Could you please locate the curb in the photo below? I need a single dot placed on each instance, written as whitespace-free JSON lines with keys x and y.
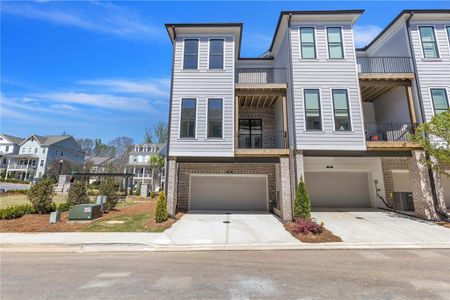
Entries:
{"x":127,"y":247}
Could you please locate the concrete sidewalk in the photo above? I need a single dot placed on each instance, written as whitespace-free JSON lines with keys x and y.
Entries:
{"x":112,"y":242}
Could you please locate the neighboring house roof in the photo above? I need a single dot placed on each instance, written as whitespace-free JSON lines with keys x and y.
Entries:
{"x":49,"y":140}
{"x":13,"y":139}
{"x":99,"y":160}
{"x":399,"y":16}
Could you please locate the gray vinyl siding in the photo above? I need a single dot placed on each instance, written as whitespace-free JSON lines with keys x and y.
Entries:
{"x":431,"y":73}
{"x":325,"y":74}
{"x":203,"y":84}
{"x":395,"y":45}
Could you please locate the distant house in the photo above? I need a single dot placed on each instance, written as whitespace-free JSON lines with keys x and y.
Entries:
{"x":9,"y":144}
{"x":38,"y":155}
{"x":98,"y":164}
{"x":139,"y":165}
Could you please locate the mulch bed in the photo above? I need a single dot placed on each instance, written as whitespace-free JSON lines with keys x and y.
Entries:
{"x":40,"y":223}
{"x":325,"y":237}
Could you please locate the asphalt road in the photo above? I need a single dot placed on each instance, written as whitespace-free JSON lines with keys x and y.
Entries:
{"x":358,"y":274}
{"x":13,"y":186}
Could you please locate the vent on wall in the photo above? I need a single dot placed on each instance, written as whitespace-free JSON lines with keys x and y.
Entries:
{"x":403,"y":201}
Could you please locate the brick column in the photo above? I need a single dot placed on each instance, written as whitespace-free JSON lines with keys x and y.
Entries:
{"x":299,"y":167}
{"x":442,"y":207}
{"x":285,"y":176}
{"x":171,"y":184}
{"x":420,"y":180}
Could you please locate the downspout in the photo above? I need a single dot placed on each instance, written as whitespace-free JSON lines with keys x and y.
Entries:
{"x":292,"y":115}
{"x":422,"y":114}
{"x":170,"y":116}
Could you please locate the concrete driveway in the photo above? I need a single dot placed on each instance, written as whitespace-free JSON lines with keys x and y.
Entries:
{"x":220,"y":228}
{"x":371,"y":225}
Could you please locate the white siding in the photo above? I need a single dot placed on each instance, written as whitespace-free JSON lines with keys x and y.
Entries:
{"x":395,"y":44}
{"x":431,"y":73}
{"x":392,"y":107}
{"x":327,"y":74}
{"x":203,"y":84}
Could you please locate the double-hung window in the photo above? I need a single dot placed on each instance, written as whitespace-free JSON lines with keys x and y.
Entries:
{"x":440,"y":100}
{"x":429,"y":44}
{"x":307,"y":43}
{"x":312,"y":109}
{"x":341,"y":110}
{"x":188,"y":118}
{"x":215,"y":118}
{"x":190,"y":59}
{"x":335,"y":48}
{"x":216,"y":54}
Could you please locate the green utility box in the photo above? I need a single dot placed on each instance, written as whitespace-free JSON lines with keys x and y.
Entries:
{"x":85,"y":212}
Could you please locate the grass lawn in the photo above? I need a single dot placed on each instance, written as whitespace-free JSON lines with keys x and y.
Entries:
{"x":125,"y":223}
{"x":13,"y":199}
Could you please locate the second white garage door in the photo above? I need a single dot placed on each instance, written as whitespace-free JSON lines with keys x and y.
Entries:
{"x":338,"y":189}
{"x":228,"y":192}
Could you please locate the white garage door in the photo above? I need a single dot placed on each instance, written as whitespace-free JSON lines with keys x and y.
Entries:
{"x":446,"y":185}
{"x":338,"y":189}
{"x":228,"y":192}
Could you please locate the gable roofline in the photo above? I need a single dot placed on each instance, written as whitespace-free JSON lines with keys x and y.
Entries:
{"x":12,"y":139}
{"x":47,"y":140}
{"x":308,"y":12}
{"x":398,"y":17}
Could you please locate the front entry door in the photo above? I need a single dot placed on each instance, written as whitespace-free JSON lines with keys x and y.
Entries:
{"x":250,"y":133}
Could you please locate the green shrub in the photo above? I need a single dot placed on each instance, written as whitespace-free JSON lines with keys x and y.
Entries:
{"x":16,"y":191}
{"x":107,"y":188}
{"x":16,"y":211}
{"x":138,"y":190}
{"x":13,"y":180}
{"x":63,"y":207}
{"x":152,"y":194}
{"x":302,"y":204}
{"x":77,"y":193}
{"x":161,"y":214}
{"x":92,"y":192}
{"x":40,"y":195}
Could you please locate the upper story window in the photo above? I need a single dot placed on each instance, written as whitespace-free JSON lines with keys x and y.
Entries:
{"x":448,"y":34}
{"x":440,"y":100}
{"x":341,"y":110}
{"x":214,"y":118}
{"x":335,"y":45}
{"x":42,"y":163}
{"x":35,"y":150}
{"x":312,"y":109}
{"x":190,"y":60}
{"x":307,"y":43}
{"x":43,"y":150}
{"x":7,"y":148}
{"x":429,"y":44}
{"x":188,"y":116}
{"x":216,"y":54}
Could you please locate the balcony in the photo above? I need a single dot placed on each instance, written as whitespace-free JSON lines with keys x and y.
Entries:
{"x":260,"y":75}
{"x":389,"y":135}
{"x":385,"y":64}
{"x":266,"y":139}
{"x":19,"y":167}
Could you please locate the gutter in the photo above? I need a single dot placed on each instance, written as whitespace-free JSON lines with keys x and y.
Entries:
{"x":422,"y":113}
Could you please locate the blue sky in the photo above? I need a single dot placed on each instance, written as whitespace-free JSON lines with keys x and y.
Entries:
{"x":102,"y":69}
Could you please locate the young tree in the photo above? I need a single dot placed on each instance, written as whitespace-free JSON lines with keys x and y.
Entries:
{"x":161,"y":132}
{"x":302,"y":204}
{"x":107,"y":188}
{"x":41,"y":196}
{"x":148,"y":138}
{"x":77,"y":193}
{"x":161,"y":213}
{"x":434,"y":138}
{"x":156,"y":162}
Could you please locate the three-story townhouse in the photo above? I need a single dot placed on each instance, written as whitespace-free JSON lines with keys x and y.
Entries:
{"x":245,"y":131}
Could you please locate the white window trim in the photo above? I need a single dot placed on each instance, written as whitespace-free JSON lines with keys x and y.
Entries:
{"x":223,"y":54}
{"x":431,"y":97}
{"x":344,"y":56}
{"x":352,"y":129}
{"x":196,"y":119}
{"x":436,"y":41}
{"x":316,"y":52}
{"x":447,"y":31}
{"x":320,"y":109}
{"x":198,"y":55}
{"x":207,"y":120}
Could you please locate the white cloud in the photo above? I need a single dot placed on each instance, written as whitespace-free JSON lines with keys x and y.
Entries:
{"x":64,"y":107}
{"x":365,"y":34}
{"x":150,"y":87}
{"x":98,"y":17}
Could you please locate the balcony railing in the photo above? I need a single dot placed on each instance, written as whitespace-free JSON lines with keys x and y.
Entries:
{"x":388,"y":131}
{"x":21,"y":167}
{"x":263,"y":140}
{"x":260,"y":75}
{"x":384,"y":64}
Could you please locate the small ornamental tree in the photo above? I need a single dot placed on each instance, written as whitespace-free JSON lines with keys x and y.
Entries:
{"x":161,"y":214}
{"x":434,"y":138}
{"x":302,"y":204}
{"x":41,"y":196}
{"x":107,"y":188}
{"x":77,"y":194}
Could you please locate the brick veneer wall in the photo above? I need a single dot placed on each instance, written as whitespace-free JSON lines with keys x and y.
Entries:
{"x":185,"y":169}
{"x":267,"y":115}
